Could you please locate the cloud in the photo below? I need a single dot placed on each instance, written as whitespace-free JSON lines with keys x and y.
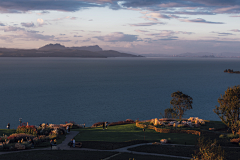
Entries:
{"x":231,"y":9}
{"x":147,"y":24}
{"x":11,"y":28}
{"x":43,"y":12}
{"x":158,"y":15}
{"x":76,"y":36}
{"x":141,"y":31}
{"x":117,"y":37}
{"x":218,"y":6}
{"x":79,"y":30}
{"x":40,"y":21}
{"x":26,"y":35}
{"x":168,"y":34}
{"x":1,"y":24}
{"x":19,"y":6}
{"x":223,"y":33}
{"x":96,"y":31}
{"x":67,"y":17}
{"x":200,"y":20}
{"x":73,"y":18}
{"x":28,"y":24}
{"x":86,"y":40}
{"x":190,"y":12}
{"x":169,"y":38}
{"x":235,"y":16}
{"x":235,"y":30}
{"x":165,"y":33}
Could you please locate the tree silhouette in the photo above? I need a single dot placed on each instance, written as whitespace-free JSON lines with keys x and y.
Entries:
{"x":229,"y":108}
{"x":181,"y":102}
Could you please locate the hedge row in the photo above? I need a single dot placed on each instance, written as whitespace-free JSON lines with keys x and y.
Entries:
{"x":160,"y":130}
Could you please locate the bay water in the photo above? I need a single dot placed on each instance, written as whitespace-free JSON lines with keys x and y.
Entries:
{"x":89,"y":90}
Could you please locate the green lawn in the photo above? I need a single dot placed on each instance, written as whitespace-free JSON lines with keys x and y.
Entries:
{"x":7,"y":131}
{"x":129,"y":132}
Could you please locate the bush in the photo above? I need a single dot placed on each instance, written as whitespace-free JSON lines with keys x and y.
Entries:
{"x":44,"y":131}
{"x":6,"y":146}
{"x":27,"y":129}
{"x":208,"y":150}
{"x":235,"y":140}
{"x":42,"y":138}
{"x":222,"y":136}
{"x":16,"y":137}
{"x":27,"y":145}
{"x":181,"y":126}
{"x":232,"y":136}
{"x":97,"y":124}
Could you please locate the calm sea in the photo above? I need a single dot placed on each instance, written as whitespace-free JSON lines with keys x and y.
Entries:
{"x":56,"y":90}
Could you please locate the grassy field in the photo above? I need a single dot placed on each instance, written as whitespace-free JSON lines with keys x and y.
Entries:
{"x":129,"y":132}
{"x":125,"y":135}
{"x":76,"y":155}
{"x":7,"y":131}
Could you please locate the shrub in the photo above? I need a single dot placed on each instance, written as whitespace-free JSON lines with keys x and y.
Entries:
{"x":27,"y":129}
{"x":129,"y":120}
{"x":16,"y":137}
{"x":222,"y":136}
{"x":27,"y":145}
{"x":6,"y":146}
{"x":97,"y":124}
{"x":44,"y":131}
{"x":36,"y":140}
{"x":53,"y":136}
{"x":42,"y":138}
{"x":208,"y":150}
{"x":181,"y":126}
{"x":232,"y":136}
{"x":235,"y":140}
{"x":61,"y":131}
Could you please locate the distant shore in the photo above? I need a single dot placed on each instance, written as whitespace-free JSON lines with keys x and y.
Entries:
{"x":231,"y":71}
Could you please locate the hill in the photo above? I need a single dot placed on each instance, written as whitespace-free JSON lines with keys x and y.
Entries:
{"x":58,"y":50}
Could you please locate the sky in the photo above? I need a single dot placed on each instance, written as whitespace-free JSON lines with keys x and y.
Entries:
{"x":131,"y":26}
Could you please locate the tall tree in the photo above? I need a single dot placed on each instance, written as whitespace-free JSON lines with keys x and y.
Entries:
{"x":169,"y":113}
{"x":229,"y":108}
{"x":181,"y":102}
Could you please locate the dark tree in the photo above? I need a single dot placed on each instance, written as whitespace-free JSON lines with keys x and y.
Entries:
{"x":229,"y":108}
{"x":169,"y":113}
{"x":181,"y":102}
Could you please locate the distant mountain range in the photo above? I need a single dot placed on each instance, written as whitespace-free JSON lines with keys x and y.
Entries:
{"x":210,"y":55}
{"x":199,"y":54}
{"x":58,"y":50}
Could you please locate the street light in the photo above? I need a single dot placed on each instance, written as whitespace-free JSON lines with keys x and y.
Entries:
{"x":20,"y":120}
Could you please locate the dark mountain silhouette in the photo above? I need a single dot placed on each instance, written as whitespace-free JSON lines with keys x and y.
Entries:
{"x":58,"y":50}
{"x":58,"y":46}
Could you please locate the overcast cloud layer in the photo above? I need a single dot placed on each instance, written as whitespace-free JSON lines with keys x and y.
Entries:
{"x":140,"y":26}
